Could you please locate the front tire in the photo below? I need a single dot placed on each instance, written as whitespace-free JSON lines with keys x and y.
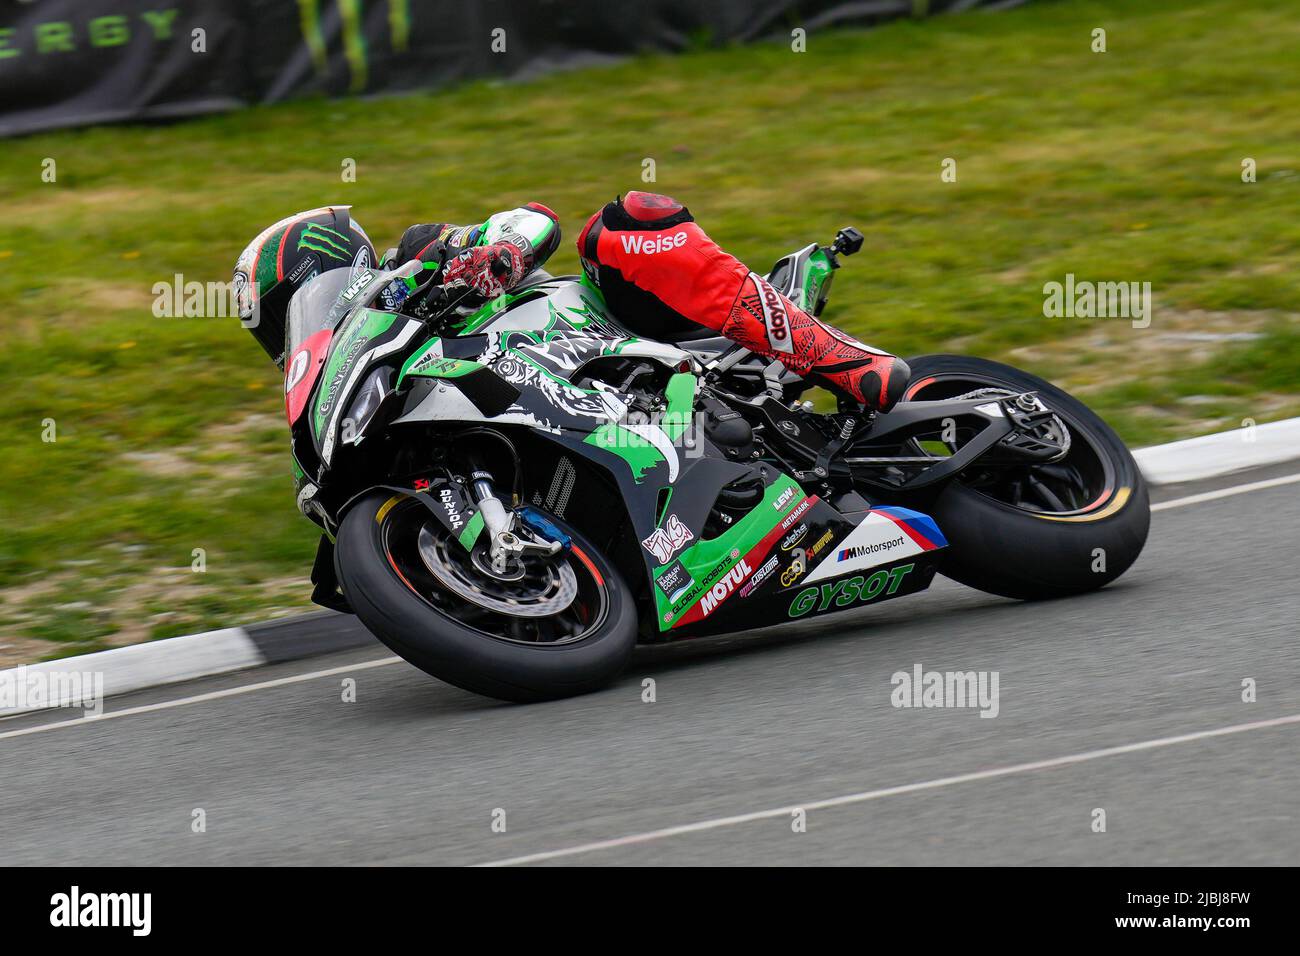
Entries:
{"x":481,"y":649}
{"x":1064,"y":529}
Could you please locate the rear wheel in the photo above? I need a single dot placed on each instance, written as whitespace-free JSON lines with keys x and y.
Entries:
{"x":551,"y":626}
{"x":1036,"y":530}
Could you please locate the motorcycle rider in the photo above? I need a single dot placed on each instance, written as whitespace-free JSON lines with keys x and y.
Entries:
{"x":662,"y":276}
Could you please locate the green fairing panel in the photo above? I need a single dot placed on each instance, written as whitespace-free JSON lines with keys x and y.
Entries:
{"x":816,"y":282}
{"x":641,"y":453}
{"x":489,"y":311}
{"x":428,"y":362}
{"x":641,"y":456}
{"x":580,"y":317}
{"x":427,"y":352}
{"x":569,"y":307}
{"x":444,"y":368}
{"x":707,"y":561}
{"x":348,"y":344}
{"x":680,"y":393}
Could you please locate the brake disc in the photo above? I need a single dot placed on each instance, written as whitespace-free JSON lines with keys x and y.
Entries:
{"x":540,"y":586}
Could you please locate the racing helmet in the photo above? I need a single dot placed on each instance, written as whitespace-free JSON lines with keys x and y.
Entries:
{"x":285,"y":257}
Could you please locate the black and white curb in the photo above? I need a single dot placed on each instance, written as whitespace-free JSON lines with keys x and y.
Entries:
{"x":1211,"y":456}
{"x":177,"y":659}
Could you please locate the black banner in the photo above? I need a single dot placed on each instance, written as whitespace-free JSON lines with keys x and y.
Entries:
{"x":1228,"y":909}
{"x":79,"y":62}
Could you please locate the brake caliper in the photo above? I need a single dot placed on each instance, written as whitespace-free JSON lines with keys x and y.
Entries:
{"x":1039,"y":433}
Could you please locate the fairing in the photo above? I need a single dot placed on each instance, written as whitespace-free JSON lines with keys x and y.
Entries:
{"x":516,"y":361}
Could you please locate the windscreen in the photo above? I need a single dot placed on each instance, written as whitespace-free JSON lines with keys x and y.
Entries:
{"x":325,"y":300}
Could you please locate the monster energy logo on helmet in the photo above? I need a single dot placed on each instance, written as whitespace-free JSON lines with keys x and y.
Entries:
{"x":273,"y":267}
{"x":323,"y":239}
{"x":352,"y":20}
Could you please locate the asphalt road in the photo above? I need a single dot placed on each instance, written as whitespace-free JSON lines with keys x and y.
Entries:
{"x":413,"y":770}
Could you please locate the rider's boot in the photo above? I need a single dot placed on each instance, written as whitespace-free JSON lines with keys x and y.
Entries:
{"x":646,"y":249}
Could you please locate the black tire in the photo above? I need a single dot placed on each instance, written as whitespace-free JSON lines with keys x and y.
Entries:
{"x":1030,"y":554}
{"x":458,"y":654}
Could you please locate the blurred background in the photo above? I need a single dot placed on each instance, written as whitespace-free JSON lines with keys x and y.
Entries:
{"x":132,"y":156}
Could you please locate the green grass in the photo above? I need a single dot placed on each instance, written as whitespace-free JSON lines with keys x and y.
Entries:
{"x":1118,"y":166}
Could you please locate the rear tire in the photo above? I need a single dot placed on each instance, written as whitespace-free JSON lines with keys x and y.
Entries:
{"x":438,"y":644}
{"x":1022,"y":553}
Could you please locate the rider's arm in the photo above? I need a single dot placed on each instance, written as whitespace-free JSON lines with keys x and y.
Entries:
{"x":533,"y":229}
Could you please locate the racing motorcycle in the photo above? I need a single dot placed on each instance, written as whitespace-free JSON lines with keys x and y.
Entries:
{"x":514,"y":493}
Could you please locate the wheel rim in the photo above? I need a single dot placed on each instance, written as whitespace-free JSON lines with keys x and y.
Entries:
{"x":1080,"y":485}
{"x":548,"y":600}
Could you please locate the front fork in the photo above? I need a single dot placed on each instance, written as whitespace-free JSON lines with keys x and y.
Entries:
{"x":505,"y":547}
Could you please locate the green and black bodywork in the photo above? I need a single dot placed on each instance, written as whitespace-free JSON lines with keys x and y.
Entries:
{"x":690,"y":470}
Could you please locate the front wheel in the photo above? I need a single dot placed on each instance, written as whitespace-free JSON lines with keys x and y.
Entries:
{"x":1036,"y":530}
{"x":553,"y":627}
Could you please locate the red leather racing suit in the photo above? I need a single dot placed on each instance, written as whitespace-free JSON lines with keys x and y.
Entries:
{"x":663,"y":277}
{"x":652,"y":261}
